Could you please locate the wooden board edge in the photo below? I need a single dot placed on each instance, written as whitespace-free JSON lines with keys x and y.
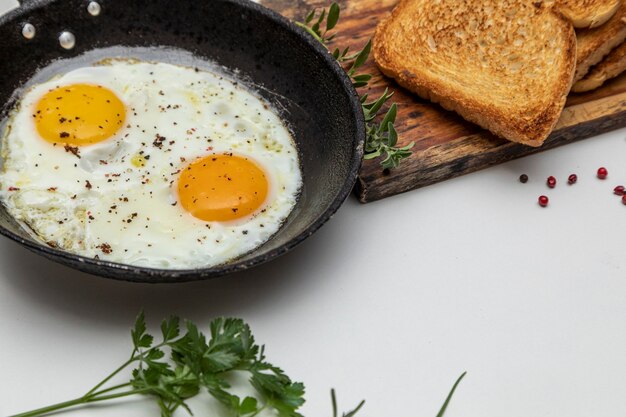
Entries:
{"x":434,"y":168}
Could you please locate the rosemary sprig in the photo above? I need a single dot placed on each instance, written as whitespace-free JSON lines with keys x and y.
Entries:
{"x":196,"y":364}
{"x":314,"y":26}
{"x":382,"y":138}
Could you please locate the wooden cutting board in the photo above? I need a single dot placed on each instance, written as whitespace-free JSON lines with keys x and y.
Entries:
{"x":446,"y":146}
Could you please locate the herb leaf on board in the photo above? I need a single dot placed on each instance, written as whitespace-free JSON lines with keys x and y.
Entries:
{"x":381,"y":139}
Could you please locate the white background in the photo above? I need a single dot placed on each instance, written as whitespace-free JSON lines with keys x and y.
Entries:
{"x":389,"y":302}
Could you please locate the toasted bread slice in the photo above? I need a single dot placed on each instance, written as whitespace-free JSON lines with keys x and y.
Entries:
{"x":506,"y":65}
{"x":588,"y":13}
{"x":612,"y":66}
{"x":595,"y":44}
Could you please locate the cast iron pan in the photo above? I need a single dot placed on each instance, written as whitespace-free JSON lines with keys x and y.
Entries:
{"x":293,"y":70}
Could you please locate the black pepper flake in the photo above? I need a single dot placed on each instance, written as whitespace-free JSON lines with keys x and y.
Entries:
{"x":88,"y":185}
{"x":64,"y":135}
{"x":158,"y":141}
{"x":73,"y":150}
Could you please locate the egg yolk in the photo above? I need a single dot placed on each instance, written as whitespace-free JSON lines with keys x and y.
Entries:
{"x":222,"y":188}
{"x":79,"y":114}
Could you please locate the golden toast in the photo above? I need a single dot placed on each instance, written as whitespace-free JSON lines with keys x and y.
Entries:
{"x":588,"y":13}
{"x":506,"y":65}
{"x":613,"y":65}
{"x":595,"y":44}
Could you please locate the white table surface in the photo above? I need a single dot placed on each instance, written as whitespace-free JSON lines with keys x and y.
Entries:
{"x":389,"y":302}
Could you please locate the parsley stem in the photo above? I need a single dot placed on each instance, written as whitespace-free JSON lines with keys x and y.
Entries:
{"x":134,"y":357}
{"x":120,"y":386}
{"x":86,"y":399}
{"x":51,"y":408}
{"x":257,"y":412}
{"x":108,"y":378}
{"x":100,"y":397}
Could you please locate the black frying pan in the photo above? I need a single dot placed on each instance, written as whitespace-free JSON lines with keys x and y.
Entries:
{"x":293,"y":70}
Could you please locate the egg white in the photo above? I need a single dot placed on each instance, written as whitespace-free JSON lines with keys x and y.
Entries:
{"x":100,"y":204}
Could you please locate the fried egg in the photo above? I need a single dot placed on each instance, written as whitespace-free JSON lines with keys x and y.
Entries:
{"x":148,"y":164}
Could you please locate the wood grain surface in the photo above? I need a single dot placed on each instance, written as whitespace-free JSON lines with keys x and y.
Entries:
{"x":446,"y":146}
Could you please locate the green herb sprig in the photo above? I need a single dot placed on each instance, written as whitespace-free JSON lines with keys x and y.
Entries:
{"x":314,"y":26}
{"x":381,"y":138}
{"x":196,"y":364}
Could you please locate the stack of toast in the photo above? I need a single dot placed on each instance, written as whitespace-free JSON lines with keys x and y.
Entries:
{"x":506,"y":65}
